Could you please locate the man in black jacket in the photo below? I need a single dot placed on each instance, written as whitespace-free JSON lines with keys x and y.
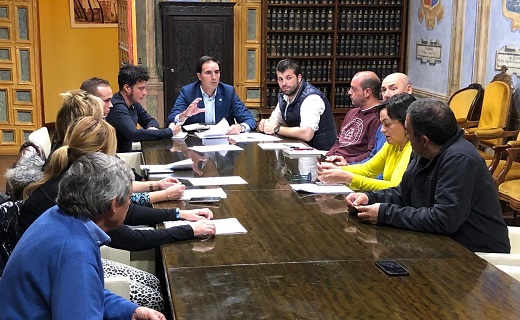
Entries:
{"x":127,"y":111}
{"x":447,"y":188}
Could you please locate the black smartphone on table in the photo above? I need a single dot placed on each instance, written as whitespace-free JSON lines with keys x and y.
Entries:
{"x":392,"y":268}
{"x":204,"y":199}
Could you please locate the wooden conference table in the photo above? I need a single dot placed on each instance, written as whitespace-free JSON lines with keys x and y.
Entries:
{"x":307,"y":258}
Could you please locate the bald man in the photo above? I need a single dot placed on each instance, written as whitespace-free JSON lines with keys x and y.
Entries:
{"x":357,"y":134}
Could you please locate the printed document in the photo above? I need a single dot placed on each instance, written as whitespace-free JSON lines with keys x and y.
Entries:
{"x":222,"y":226}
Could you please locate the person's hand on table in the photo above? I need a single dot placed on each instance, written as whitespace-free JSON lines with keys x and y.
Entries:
{"x":356,"y":199}
{"x":322,"y":166}
{"x":337,"y":160}
{"x":234,"y":129}
{"x":203,"y":228}
{"x":196,"y":214}
{"x":175,"y":191}
{"x":165,"y":183}
{"x":335,"y":175}
{"x":268,"y":126}
{"x":143,"y":313}
{"x":176,"y":128}
{"x":368,"y":213}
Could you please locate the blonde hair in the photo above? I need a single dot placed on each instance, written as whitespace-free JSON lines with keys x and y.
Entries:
{"x":76,"y":104}
{"x":84,"y":136}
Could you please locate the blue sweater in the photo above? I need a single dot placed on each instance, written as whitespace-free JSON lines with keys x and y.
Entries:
{"x":55,"y":272}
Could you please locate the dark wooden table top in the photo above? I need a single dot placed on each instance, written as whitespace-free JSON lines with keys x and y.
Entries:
{"x":306,"y":257}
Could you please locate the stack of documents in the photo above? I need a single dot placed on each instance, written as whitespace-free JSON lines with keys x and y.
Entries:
{"x":196,"y":193}
{"x":222,"y":226}
{"x":295,"y":152}
{"x":216,"y":181}
{"x":253,"y":137}
{"x":197,"y":126}
{"x":161,"y":168}
{"x":219,"y":130}
{"x":216,"y":148}
{"x":321,"y":188}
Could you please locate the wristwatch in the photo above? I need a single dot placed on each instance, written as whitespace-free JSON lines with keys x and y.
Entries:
{"x":276,"y":129}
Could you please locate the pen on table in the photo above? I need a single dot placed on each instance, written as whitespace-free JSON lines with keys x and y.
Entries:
{"x":301,"y":149}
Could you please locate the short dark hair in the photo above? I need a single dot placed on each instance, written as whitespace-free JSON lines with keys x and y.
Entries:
{"x":91,"y":85}
{"x":203,"y":60}
{"x":396,"y":106}
{"x":130,"y":74}
{"x":372,"y":82}
{"x":90,"y":185}
{"x":433,"y":119}
{"x":288,"y":64}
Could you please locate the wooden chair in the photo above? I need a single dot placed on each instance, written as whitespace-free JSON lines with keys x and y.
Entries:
{"x":493,"y":118}
{"x":466,"y":103}
{"x":509,"y":190}
{"x":497,"y":164}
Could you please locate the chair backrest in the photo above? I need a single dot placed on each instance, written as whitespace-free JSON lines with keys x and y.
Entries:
{"x":495,"y":106}
{"x":41,"y":137}
{"x":467,"y":102}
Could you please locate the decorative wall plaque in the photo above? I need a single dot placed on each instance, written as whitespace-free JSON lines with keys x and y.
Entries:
{"x":429,"y":51}
{"x":508,"y":56}
{"x":511,"y":10}
{"x":432,"y":10}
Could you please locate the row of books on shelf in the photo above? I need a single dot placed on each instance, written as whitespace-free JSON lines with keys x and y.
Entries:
{"x":299,"y":45}
{"x":346,"y":69}
{"x":341,"y":2}
{"x":322,"y":19}
{"x":368,"y":45}
{"x":300,"y":19}
{"x":312,"y":70}
{"x":369,"y":19}
{"x":321,"y":45}
{"x":320,"y":70}
{"x":341,"y":97}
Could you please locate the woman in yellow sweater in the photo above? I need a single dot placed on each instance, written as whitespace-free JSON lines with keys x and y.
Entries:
{"x":391,"y":160}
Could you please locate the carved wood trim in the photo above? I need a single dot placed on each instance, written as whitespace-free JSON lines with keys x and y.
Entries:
{"x":481,"y":47}
{"x":456,"y":47}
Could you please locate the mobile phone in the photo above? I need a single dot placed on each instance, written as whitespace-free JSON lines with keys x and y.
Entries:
{"x":204,"y":199}
{"x":392,"y":268}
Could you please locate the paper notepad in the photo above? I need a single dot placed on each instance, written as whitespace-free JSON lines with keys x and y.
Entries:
{"x":302,"y":152}
{"x":158,"y":168}
{"x":321,"y":189}
{"x":253,"y":137}
{"x":222,"y":226}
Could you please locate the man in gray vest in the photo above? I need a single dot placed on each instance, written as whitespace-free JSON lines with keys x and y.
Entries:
{"x":303,"y":112}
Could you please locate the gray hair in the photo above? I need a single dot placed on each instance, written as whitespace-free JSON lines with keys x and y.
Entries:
{"x":91,"y":184}
{"x":27,"y":170}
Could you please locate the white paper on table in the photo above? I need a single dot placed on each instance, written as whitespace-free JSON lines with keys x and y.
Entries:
{"x":281,"y":146}
{"x":180,"y":135}
{"x":211,"y":192}
{"x":315,"y":188}
{"x":219,"y":130}
{"x":253,"y":137}
{"x":215,"y":148}
{"x":197,"y":126}
{"x":222,"y":226}
{"x":295,"y":153}
{"x":178,"y":165}
{"x":216,"y":181}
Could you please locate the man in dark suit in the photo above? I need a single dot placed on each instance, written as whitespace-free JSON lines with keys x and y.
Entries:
{"x":209,"y":101}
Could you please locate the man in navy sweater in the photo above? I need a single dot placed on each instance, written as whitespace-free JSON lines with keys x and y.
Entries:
{"x":127,"y":111}
{"x":55,"y":270}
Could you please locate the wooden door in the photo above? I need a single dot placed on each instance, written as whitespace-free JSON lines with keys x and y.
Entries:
{"x":20,"y":91}
{"x":191,"y":30}
{"x":126,"y":31}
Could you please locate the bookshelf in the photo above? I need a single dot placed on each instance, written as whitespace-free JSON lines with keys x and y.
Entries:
{"x":332,"y":40}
